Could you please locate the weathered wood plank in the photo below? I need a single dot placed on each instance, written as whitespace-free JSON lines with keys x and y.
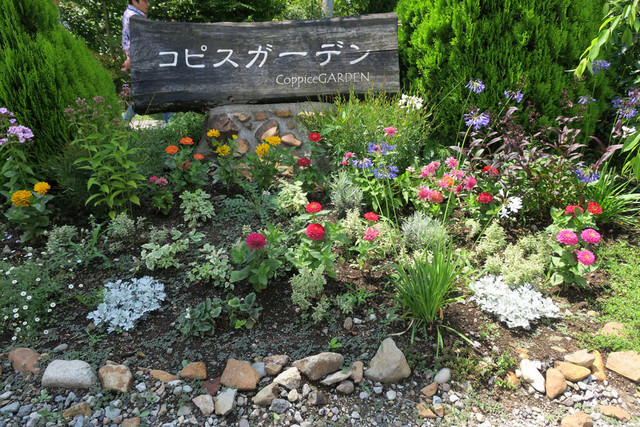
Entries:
{"x":190,"y":66}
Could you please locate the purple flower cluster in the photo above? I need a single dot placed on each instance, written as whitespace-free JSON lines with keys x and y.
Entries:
{"x":476,"y":119}
{"x":517,"y":95}
{"x":475,"y":86}
{"x":365,"y":163}
{"x":586,"y":174}
{"x":22,"y":132}
{"x":599,"y":65}
{"x":380,"y":147}
{"x":587,"y":99}
{"x":385,"y":172}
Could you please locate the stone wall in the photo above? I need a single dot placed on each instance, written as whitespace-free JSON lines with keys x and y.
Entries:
{"x":252,"y":123}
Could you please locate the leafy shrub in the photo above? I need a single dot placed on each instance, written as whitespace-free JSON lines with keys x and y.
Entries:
{"x":44,"y":68}
{"x":291,"y":199}
{"x":196,"y":207}
{"x":164,"y":256}
{"x":216,"y":269}
{"x":516,"y":307}
{"x":523,"y":262}
{"x":493,"y":240}
{"x":422,"y":231}
{"x":306,"y":286}
{"x":445,"y":44}
{"x":126,"y":302}
{"x":200,"y":321}
{"x":344,"y":193}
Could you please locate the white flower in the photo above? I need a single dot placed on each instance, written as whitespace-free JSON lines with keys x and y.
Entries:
{"x":37,"y":319}
{"x":16,"y":315}
{"x":53,"y":304}
{"x":515,"y":204}
{"x":37,"y":279}
{"x":46,"y":331}
{"x":29,"y":297}
{"x":13,"y":338}
{"x":70,"y":286}
{"x":628,"y":131}
{"x":24,"y":307}
{"x":13,"y":282}
{"x":23,"y":293}
{"x":504,"y":212}
{"x":15,"y":310}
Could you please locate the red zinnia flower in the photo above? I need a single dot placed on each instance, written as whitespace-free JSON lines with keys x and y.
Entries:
{"x":594,"y":208}
{"x":571,"y":209}
{"x":315,"y":232}
{"x":256,"y":241}
{"x":490,"y":171}
{"x":371,"y":216}
{"x":314,"y":136}
{"x":304,"y":162}
{"x":172,"y":149}
{"x":186,"y":141}
{"x":313,"y":207}
{"x":485,"y":198}
{"x":198,"y":156}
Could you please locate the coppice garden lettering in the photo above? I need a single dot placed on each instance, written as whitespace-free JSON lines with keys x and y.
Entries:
{"x":183,"y":66}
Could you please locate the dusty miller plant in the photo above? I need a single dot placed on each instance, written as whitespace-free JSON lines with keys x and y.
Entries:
{"x":196,"y":207}
{"x":420,"y":231}
{"x":517,"y":307}
{"x":126,"y":302}
{"x":344,"y":193}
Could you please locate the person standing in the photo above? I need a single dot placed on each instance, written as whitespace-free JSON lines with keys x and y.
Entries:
{"x":140,"y":8}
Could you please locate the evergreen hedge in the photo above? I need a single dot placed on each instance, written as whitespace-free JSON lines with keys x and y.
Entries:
{"x":43,"y":69}
{"x":446,"y":43}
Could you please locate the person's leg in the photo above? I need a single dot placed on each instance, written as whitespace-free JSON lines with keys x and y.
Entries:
{"x":167,"y":117}
{"x":129,"y":114}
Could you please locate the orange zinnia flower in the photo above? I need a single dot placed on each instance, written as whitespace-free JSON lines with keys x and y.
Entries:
{"x":172,"y":149}
{"x":198,"y":156}
{"x":186,"y":141}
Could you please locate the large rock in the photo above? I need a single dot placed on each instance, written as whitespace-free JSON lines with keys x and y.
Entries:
{"x":357,"y":371}
{"x":194,"y":371}
{"x":265,"y":396}
{"x":163,"y":376}
{"x":581,"y":358}
{"x":280,"y":359}
{"x":625,"y":363}
{"x":319,"y":365}
{"x":226,"y":402}
{"x":597,"y":369}
{"x":615,"y":412}
{"x":24,"y":360}
{"x":267,"y":129}
{"x":531,"y":375}
{"x":240,"y":374}
{"x":556,"y":383}
{"x":388,"y":365}
{"x":289,"y":379}
{"x":204,"y":402}
{"x":116,"y":377}
{"x":578,"y":419}
{"x":336,"y":377}
{"x":613,"y":328}
{"x":68,"y":374}
{"x":571,"y":372}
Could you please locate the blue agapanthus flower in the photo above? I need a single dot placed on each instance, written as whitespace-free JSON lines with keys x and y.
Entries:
{"x":634,"y":96}
{"x":586,"y":100}
{"x":628,"y":112}
{"x":475,"y":86}
{"x":476,"y":118}
{"x":599,"y":65}
{"x":586,"y":174}
{"x":384,"y":171}
{"x":363,"y":164}
{"x":380,"y":147}
{"x":517,"y":95}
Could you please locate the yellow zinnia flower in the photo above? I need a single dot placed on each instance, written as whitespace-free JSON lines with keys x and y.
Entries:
{"x":223,"y":150}
{"x":41,"y":187}
{"x":262,"y":150}
{"x":213,"y":133}
{"x":273,"y":140}
{"x":21,"y":198}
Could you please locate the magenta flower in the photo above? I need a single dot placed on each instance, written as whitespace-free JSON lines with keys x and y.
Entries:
{"x":585,"y":257}
{"x":567,"y":237}
{"x":390,"y":131}
{"x":590,"y":235}
{"x":370,"y":234}
{"x":452,"y":162}
{"x":256,"y":241}
{"x":429,"y":170}
{"x":469,"y":183}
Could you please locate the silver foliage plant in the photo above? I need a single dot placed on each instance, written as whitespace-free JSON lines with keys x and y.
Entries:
{"x":516,"y":307}
{"x":126,"y":302}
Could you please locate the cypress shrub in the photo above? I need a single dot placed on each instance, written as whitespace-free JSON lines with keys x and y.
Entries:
{"x":43,"y":69}
{"x":526,"y":45}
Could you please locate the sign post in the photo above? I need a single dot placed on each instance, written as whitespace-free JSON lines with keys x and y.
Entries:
{"x":190,"y":66}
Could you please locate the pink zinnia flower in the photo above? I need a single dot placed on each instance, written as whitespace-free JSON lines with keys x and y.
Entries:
{"x":585,"y":257}
{"x":256,"y":241}
{"x":457,"y":189}
{"x":590,"y":235}
{"x":315,"y":232}
{"x":390,"y":131}
{"x":485,"y":198}
{"x":567,"y":237}
{"x":313,"y":207}
{"x":469,"y":183}
{"x":571,"y":209}
{"x":429,"y":170}
{"x":370,"y":234}
{"x":446,"y":181}
{"x":435,"y":196}
{"x":161,"y":182}
{"x":153,"y":178}
{"x":349,"y":155}
{"x":452,"y":162}
{"x":371,"y":216}
{"x":423,"y":193}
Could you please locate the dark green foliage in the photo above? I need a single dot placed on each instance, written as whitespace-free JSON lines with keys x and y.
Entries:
{"x":43,"y":69}
{"x":446,"y":43}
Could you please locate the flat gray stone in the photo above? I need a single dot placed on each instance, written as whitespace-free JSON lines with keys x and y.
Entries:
{"x":388,"y":365}
{"x":69,"y":374}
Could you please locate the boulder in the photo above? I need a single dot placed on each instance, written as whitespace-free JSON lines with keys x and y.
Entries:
{"x":24,"y":360}
{"x":267,"y":129}
{"x":68,"y":374}
{"x":116,"y":377}
{"x":581,"y":358}
{"x":531,"y":375}
{"x":556,"y":384}
{"x":625,"y":363}
{"x":597,"y":369}
{"x":265,"y":396}
{"x":578,"y":419}
{"x":389,"y":364}
{"x":289,"y":379}
{"x":240,"y":374}
{"x":571,"y":372}
{"x":163,"y":376}
{"x":226,"y":402}
{"x":319,"y":365}
{"x":194,"y":371}
{"x":615,"y":412}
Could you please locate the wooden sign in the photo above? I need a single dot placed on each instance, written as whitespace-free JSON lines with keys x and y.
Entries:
{"x":189,"y":66}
